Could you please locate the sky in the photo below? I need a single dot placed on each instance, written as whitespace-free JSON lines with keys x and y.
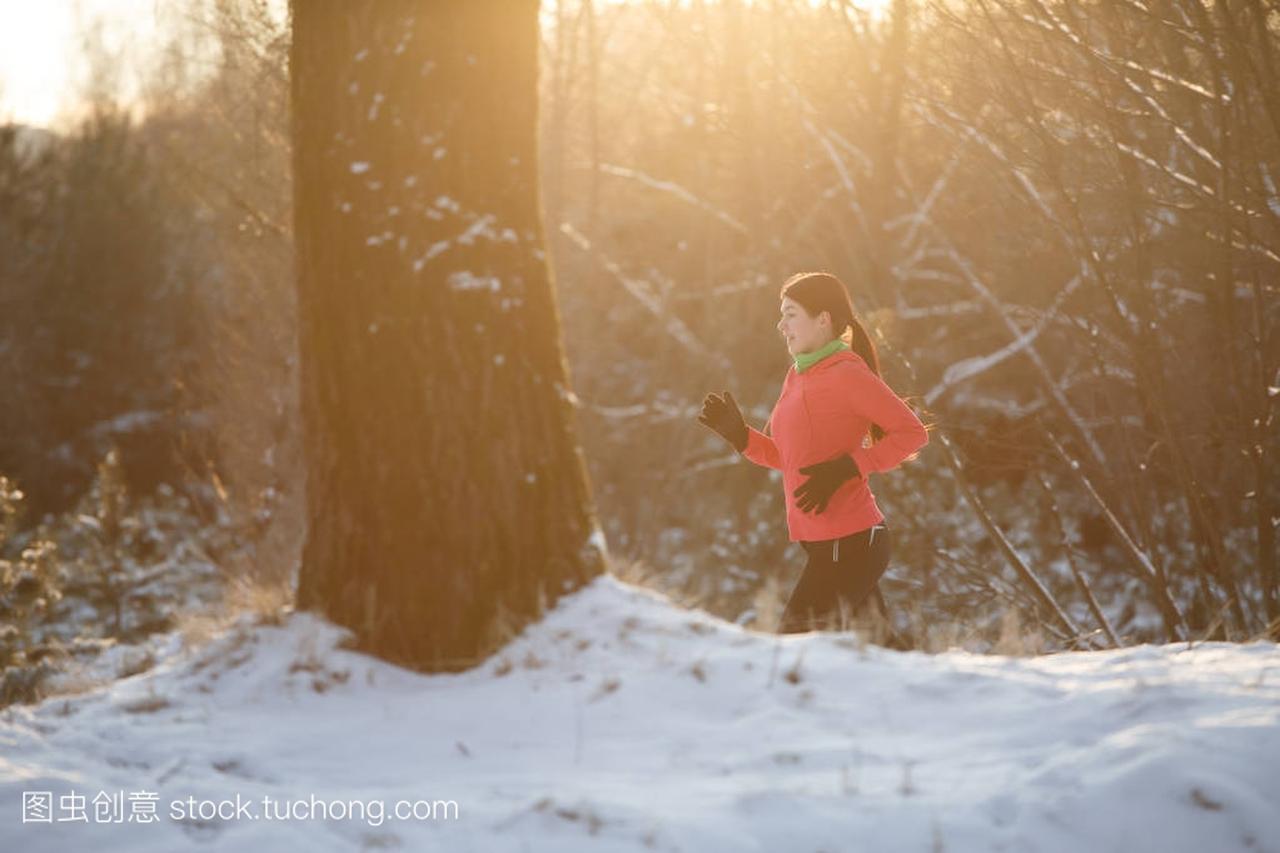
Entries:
{"x":40,"y":63}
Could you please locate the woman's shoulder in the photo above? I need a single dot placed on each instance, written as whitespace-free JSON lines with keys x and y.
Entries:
{"x":845,"y":367}
{"x":847,"y":360}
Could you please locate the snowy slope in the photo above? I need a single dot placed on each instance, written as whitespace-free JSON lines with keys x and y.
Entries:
{"x":623,"y":722}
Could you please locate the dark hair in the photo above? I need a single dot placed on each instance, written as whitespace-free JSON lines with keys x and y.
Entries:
{"x":821,"y":291}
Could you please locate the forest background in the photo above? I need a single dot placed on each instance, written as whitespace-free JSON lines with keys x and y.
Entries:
{"x":1059,"y":220}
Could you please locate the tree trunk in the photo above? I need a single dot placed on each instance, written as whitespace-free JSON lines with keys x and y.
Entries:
{"x":447,"y":497}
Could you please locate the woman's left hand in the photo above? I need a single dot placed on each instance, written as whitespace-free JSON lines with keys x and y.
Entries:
{"x":824,"y":479}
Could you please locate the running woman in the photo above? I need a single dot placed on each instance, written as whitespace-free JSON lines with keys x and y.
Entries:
{"x":832,"y":398}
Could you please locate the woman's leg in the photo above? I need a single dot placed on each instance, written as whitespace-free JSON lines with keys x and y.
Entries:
{"x":867,"y":559}
{"x":814,"y":596}
{"x":840,"y":576}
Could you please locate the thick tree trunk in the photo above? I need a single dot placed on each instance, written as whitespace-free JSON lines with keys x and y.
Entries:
{"x":447,"y":497}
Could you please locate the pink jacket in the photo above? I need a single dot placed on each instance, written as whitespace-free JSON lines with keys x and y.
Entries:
{"x":823,"y":412}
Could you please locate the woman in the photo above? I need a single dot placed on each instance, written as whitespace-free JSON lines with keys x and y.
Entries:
{"x":831,"y":399}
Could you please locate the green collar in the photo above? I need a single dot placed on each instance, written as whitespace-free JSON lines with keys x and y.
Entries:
{"x":805,"y":360}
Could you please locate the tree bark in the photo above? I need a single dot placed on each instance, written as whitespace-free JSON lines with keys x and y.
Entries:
{"x":447,"y":497}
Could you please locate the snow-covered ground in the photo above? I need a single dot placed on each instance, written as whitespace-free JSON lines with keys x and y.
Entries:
{"x":624,"y":722}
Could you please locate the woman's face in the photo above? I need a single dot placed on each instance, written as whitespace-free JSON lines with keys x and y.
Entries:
{"x":802,"y":331}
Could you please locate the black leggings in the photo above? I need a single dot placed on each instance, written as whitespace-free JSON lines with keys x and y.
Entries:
{"x":840,"y":575}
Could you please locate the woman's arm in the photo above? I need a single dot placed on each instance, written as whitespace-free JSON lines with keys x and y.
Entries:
{"x":904,"y":434}
{"x":761,"y":449}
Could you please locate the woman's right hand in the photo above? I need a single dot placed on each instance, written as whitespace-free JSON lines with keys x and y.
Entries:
{"x":722,"y":415}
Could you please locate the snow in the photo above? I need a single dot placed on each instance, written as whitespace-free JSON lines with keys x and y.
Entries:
{"x":1273,"y":198}
{"x":597,"y":541}
{"x":481,"y":227}
{"x":435,"y":249}
{"x":359,"y":167}
{"x":622,"y":721}
{"x":467,"y":280}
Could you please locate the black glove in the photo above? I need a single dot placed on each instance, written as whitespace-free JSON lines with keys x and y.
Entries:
{"x":824,"y":479}
{"x":721,"y":414}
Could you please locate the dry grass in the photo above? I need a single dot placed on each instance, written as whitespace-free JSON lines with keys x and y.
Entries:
{"x":768,"y":603}
{"x":1015,"y":640}
{"x":73,"y":681}
{"x":268,"y":597}
{"x":639,"y":573}
{"x":199,"y":627}
{"x":1006,"y":633}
